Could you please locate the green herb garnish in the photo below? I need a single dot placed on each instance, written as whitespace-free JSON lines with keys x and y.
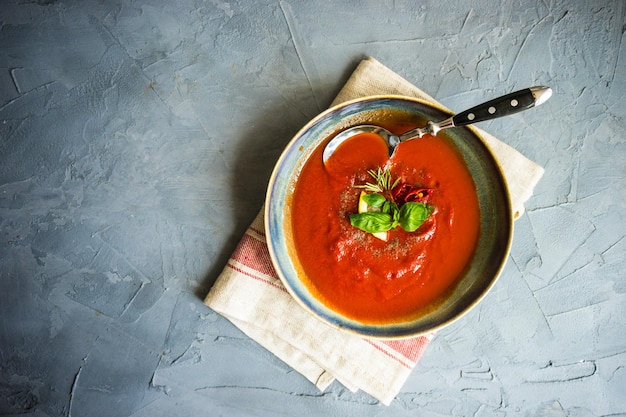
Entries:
{"x":386,"y":209}
{"x":383,"y":181}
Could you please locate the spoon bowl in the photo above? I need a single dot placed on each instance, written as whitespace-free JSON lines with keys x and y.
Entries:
{"x":498,"y":107}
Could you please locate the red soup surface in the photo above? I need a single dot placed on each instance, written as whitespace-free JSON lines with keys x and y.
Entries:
{"x":363,"y":277}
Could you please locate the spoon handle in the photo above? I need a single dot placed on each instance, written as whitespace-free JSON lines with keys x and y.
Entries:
{"x":504,"y":105}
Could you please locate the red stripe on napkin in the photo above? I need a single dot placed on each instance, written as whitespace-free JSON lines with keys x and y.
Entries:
{"x":260,"y":232}
{"x":257,"y":277}
{"x":254,"y":254}
{"x":412,"y":349}
{"x":389,"y":354}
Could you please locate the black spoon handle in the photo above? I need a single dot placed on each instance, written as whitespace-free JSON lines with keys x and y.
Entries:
{"x":504,"y":105}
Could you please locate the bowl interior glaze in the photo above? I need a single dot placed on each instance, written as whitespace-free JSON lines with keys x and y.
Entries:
{"x":496,"y":220}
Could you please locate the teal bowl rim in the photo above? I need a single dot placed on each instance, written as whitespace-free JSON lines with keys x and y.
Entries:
{"x":281,"y":182}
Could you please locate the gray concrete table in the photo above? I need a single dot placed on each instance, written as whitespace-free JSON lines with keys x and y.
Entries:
{"x":136,"y":140}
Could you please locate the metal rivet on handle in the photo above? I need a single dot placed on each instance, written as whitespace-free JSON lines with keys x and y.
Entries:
{"x":492,"y":110}
{"x":471,"y":116}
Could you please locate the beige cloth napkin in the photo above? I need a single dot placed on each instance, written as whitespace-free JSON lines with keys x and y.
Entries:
{"x":249,"y":293}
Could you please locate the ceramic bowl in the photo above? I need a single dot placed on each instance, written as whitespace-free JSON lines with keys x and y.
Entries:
{"x":496,"y":219}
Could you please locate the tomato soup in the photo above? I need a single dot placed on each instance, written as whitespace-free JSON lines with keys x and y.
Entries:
{"x":361,"y":276}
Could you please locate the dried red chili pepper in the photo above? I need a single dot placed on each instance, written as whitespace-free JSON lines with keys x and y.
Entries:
{"x":417,"y":194}
{"x":400,"y":191}
{"x":404,"y":192}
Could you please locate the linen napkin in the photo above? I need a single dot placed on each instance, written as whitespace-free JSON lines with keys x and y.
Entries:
{"x":249,"y":293}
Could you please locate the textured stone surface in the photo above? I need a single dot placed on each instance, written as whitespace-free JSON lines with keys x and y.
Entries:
{"x":136,"y":140}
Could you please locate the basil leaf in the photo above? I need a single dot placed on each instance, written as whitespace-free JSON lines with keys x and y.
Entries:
{"x":374,"y":199}
{"x":386,"y":207}
{"x":396,"y":215}
{"x":413,"y":214}
{"x":372,"y":222}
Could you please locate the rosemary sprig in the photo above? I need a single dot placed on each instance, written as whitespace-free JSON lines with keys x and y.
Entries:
{"x":383,"y":181}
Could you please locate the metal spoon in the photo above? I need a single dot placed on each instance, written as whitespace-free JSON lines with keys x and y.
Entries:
{"x":492,"y":109}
